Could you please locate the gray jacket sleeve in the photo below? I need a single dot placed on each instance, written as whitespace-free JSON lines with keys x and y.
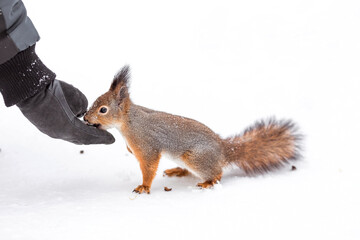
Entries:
{"x":17,"y":32}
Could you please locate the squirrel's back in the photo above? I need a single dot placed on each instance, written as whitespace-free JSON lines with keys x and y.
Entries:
{"x":171,"y":133}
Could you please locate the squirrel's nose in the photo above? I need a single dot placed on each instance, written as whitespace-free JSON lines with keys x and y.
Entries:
{"x":85,"y":118}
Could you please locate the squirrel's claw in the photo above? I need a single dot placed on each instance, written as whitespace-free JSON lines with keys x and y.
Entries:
{"x":142,"y":189}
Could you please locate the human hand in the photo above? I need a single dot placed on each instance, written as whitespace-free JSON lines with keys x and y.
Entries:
{"x":55,"y":111}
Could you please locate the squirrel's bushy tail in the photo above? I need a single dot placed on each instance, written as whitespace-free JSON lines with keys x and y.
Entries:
{"x":263,"y":147}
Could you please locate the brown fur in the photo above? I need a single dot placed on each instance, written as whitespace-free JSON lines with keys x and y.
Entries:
{"x":263,"y":147}
{"x":127,"y":147}
{"x":209,"y":183}
{"x":178,"y":172}
{"x":148,"y":165}
{"x":195,"y":163}
{"x":149,"y":134}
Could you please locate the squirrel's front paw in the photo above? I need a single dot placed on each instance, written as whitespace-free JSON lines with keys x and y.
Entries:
{"x":142,"y":189}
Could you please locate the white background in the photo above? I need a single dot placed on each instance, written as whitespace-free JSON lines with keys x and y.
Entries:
{"x":223,"y":63}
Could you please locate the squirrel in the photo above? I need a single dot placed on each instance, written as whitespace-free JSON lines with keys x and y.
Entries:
{"x":149,"y":134}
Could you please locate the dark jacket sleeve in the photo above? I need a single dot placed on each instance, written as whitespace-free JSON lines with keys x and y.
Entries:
{"x":22,"y":74}
{"x":17,"y":32}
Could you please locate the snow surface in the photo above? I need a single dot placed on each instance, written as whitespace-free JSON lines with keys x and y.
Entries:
{"x":224,"y":63}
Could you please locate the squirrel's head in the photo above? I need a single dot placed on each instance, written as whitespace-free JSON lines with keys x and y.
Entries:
{"x":109,"y":110}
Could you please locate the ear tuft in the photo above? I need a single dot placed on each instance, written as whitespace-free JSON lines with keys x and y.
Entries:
{"x":121,"y":78}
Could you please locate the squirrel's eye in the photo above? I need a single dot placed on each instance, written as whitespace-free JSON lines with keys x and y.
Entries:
{"x":103,"y":110}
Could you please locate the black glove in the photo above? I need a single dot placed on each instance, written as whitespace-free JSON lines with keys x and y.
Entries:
{"x":54,"y":111}
{"x":51,"y":105}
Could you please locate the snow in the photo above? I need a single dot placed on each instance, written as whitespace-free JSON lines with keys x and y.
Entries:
{"x":224,"y":63}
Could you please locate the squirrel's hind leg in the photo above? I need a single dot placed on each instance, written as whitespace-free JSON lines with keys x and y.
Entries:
{"x":178,"y":172}
{"x":209,"y":183}
{"x":205,"y":165}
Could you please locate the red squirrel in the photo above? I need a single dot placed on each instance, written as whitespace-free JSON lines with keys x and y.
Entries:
{"x":149,"y":134}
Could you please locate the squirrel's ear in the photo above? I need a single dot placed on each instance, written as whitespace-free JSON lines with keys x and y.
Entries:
{"x":121,"y":79}
{"x":122,"y":94}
